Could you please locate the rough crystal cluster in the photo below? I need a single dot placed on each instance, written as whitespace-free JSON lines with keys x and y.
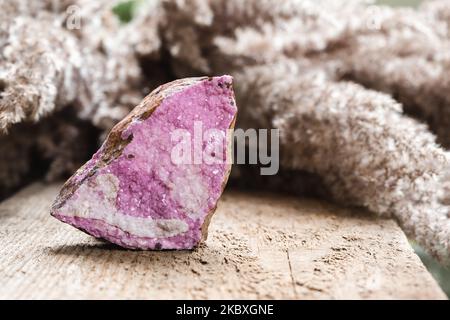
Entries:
{"x":342,"y":79}
{"x":133,"y":192}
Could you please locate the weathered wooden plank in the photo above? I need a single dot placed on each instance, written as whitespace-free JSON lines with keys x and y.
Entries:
{"x":260,"y":246}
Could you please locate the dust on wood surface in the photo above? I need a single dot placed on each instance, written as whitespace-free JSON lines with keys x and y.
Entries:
{"x":259,"y":246}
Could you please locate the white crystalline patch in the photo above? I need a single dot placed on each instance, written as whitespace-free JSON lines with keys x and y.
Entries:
{"x":89,"y":205}
{"x":109,"y":185}
{"x":189,"y":191}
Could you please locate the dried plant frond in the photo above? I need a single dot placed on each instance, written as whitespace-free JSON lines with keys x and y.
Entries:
{"x":358,"y":141}
{"x":45,"y":67}
{"x":398,"y":51}
{"x":37,"y":70}
{"x":438,"y":11}
{"x":219,"y":35}
{"x":403,"y":55}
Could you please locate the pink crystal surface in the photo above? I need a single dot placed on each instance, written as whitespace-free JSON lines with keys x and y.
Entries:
{"x":142,"y":199}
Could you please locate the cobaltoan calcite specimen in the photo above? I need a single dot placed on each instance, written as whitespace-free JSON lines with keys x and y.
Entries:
{"x":132,"y":193}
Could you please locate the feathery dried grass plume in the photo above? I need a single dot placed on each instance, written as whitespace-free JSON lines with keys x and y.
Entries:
{"x":405,"y":53}
{"x":402,"y":52}
{"x":365,"y":150}
{"x":47,"y":67}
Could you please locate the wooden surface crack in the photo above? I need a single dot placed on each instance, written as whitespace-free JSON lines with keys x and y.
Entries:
{"x":291,"y":274}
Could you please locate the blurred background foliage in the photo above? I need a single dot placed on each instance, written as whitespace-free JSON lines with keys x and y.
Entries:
{"x":439,"y":272}
{"x":400,"y":3}
{"x":125,"y":10}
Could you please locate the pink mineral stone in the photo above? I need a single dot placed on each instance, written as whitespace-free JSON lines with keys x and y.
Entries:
{"x":133,"y":193}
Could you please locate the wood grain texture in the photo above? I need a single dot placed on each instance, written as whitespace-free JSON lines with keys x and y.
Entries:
{"x":259,"y":246}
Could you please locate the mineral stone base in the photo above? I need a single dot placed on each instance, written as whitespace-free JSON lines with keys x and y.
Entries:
{"x":138,"y":190}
